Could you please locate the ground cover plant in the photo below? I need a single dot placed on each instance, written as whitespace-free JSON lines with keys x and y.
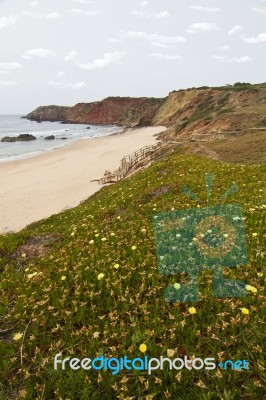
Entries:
{"x":94,"y":289}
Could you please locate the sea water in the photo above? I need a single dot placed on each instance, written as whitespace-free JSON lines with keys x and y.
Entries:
{"x":14,"y":125}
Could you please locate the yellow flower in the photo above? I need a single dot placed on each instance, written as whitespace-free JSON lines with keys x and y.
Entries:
{"x":103,"y":239}
{"x":225,"y":235}
{"x":97,"y":235}
{"x":63,"y":278}
{"x":177,"y":286}
{"x":134,"y":247}
{"x":91,"y":241}
{"x":251,"y":289}
{"x":244,"y":311}
{"x":17,"y":336}
{"x":116,"y":266}
{"x":31,"y":275}
{"x":259,"y":274}
{"x":100,"y":276}
{"x":112,"y":234}
{"x":254,"y":234}
{"x":192,"y":310}
{"x":143,"y":230}
{"x":170,"y":353}
{"x":143,"y":348}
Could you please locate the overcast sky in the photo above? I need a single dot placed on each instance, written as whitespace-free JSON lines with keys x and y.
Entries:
{"x":68,"y":51}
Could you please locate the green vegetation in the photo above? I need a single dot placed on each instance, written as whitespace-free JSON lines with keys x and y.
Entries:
{"x":203,"y":110}
{"x":57,"y":300}
{"x":248,"y":149}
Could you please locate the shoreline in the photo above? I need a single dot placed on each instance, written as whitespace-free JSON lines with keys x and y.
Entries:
{"x":47,"y":151}
{"x":58,"y":143}
{"x":44,"y":184}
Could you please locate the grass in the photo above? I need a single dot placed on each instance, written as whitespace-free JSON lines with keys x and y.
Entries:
{"x":248,"y":149}
{"x":83,"y":316}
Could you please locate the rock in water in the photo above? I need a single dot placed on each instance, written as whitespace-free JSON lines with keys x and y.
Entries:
{"x":25,"y":137}
{"x":51,"y":137}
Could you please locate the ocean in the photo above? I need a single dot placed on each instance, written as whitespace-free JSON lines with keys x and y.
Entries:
{"x":13,"y":125}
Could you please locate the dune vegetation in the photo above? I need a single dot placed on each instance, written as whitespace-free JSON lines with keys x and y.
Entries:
{"x":85,"y":283}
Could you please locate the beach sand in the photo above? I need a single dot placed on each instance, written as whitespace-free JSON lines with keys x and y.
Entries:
{"x":35,"y":188}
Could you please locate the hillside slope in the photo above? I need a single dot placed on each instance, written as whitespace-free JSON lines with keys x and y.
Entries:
{"x":212,"y":111}
{"x":86,"y":283}
{"x":196,"y":111}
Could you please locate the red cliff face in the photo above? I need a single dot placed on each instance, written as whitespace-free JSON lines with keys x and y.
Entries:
{"x":118,"y":111}
{"x":123,"y":111}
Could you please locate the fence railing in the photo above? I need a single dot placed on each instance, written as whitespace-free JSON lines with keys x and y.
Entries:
{"x":127,"y":163}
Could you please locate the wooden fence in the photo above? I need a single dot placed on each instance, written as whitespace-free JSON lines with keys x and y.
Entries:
{"x":127,"y":163}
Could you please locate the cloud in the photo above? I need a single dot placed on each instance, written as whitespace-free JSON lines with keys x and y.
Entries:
{"x":6,"y":22}
{"x":38,"y":53}
{"x":83,"y":1}
{"x":60,"y":74}
{"x":160,"y":15}
{"x":203,"y":26}
{"x":235,"y":29}
{"x":163,"y":45}
{"x":165,"y":56}
{"x":7,"y":68}
{"x":53,"y":15}
{"x":72,"y":55}
{"x":261,"y":11}
{"x":225,"y":47}
{"x":78,"y":85}
{"x":8,"y":83}
{"x":206,"y":9}
{"x":154,"y":38}
{"x":260,"y":38}
{"x":84,"y":12}
{"x":238,"y":60}
{"x":34,"y":4}
{"x":107,"y":59}
{"x":143,"y":3}
{"x":163,"y":14}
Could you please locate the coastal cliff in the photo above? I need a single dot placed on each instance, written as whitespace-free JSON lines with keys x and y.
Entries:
{"x":195,"y":111}
{"x":123,"y":111}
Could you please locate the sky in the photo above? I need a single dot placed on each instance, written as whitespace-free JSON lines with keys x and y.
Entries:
{"x":68,"y":51}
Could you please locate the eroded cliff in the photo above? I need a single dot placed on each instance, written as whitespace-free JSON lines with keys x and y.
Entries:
{"x":196,"y":111}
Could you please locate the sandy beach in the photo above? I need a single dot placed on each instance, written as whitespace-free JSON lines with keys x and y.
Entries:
{"x":35,"y":188}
